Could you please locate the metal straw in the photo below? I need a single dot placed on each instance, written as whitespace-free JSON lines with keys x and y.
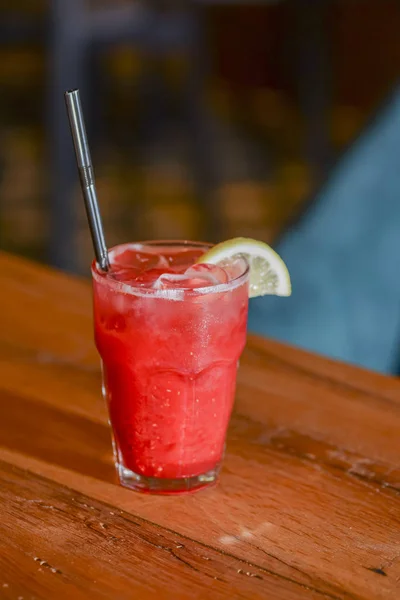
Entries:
{"x":86,"y":176}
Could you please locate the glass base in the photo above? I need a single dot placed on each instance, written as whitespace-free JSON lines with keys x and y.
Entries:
{"x":157,"y":485}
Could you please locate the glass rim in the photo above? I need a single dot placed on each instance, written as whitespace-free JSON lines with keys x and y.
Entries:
{"x":104,"y":278}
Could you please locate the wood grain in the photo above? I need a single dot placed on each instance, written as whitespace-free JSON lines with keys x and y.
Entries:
{"x":67,"y":545}
{"x":309,"y":497}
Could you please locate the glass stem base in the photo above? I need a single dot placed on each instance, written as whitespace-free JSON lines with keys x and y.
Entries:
{"x":158,"y":485}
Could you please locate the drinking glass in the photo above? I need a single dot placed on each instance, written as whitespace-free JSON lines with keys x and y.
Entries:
{"x":169,"y":360}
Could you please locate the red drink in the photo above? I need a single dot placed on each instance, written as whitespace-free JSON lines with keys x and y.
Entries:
{"x":170,"y":336}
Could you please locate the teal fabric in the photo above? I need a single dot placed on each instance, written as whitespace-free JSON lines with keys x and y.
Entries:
{"x":344,"y":258}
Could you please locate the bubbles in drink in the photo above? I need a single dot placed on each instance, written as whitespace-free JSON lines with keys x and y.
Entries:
{"x":115,"y":322}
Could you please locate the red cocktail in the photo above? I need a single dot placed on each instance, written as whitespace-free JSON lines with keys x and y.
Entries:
{"x":170,"y":334}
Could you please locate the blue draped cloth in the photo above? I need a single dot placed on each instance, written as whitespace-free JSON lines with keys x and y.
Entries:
{"x":344,"y":259}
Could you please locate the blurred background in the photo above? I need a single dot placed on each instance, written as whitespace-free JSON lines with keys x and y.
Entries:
{"x":207,"y":119}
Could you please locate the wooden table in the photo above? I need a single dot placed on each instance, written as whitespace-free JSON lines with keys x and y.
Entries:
{"x":308,"y":506}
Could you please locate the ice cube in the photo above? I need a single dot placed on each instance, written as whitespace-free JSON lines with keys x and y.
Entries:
{"x":125,"y":275}
{"x":197,"y":276}
{"x":178,"y":260}
{"x":213,"y":273}
{"x":234,"y":267}
{"x":133,"y":256}
{"x":135,"y":277}
{"x":168,"y":281}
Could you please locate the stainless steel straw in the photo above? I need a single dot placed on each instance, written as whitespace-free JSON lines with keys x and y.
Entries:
{"x":86,"y":176}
